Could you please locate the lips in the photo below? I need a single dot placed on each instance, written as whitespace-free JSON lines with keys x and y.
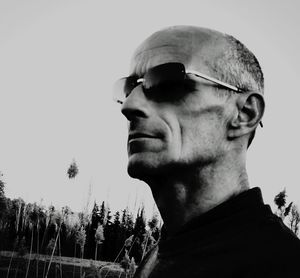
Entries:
{"x":140,"y":135}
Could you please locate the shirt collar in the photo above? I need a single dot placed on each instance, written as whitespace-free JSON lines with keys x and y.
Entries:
{"x":249,"y":200}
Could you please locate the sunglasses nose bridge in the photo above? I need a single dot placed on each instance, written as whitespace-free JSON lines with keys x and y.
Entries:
{"x":135,"y":104}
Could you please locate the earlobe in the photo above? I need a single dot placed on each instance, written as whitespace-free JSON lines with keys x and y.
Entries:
{"x":250,"y":111}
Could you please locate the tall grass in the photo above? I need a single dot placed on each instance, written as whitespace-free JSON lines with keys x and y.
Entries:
{"x":31,"y":243}
{"x":99,"y":238}
{"x":11,"y":257}
{"x":51,"y":258}
{"x":81,"y":239}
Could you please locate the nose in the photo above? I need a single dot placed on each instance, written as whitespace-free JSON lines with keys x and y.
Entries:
{"x":135,"y":105}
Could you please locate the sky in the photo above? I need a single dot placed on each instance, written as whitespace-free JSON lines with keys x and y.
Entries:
{"x":58,"y":64}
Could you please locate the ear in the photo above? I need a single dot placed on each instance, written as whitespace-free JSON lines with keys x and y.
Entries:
{"x":251,"y":108}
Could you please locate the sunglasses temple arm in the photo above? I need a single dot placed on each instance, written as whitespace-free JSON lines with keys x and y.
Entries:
{"x":226,"y":85}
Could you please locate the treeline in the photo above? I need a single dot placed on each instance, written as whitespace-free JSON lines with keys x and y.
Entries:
{"x":99,"y":234}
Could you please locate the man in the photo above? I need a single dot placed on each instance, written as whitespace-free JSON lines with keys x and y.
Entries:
{"x":193,"y":100}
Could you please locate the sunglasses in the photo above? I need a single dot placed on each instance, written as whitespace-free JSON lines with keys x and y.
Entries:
{"x":165,"y":82}
{"x":164,"y":79}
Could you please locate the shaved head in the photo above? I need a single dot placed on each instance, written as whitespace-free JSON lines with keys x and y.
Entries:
{"x":226,"y":58}
{"x":187,"y":44}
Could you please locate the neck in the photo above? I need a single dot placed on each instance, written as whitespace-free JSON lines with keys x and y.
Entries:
{"x":195,"y":191}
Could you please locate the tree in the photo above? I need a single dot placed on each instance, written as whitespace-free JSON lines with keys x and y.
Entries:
{"x":280,"y":202}
{"x":102,"y":214}
{"x":117,"y":222}
{"x":108,"y":216}
{"x":291,"y":210}
{"x":280,"y":199}
{"x":117,"y":242}
{"x":96,"y":220}
{"x":127,"y":222}
{"x":124,"y":218}
{"x":73,"y":170}
{"x":294,"y":219}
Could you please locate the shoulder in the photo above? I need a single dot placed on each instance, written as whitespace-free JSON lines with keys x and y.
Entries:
{"x":276,"y":235}
{"x":274,"y":251}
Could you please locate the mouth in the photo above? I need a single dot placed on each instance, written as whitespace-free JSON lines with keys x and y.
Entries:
{"x":139,"y":135}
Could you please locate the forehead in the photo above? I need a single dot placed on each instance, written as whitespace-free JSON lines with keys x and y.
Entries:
{"x":195,"y":48}
{"x":149,"y":58}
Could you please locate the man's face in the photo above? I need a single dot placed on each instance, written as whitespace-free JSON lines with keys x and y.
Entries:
{"x":167,"y":133}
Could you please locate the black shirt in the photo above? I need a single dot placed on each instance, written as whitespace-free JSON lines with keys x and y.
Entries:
{"x":239,"y":238}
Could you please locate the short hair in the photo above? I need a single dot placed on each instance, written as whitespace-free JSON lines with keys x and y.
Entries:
{"x":239,"y":66}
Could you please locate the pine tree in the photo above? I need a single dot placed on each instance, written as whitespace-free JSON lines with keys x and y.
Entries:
{"x":124,"y":218}
{"x":107,"y":251}
{"x":91,"y":230}
{"x":117,"y":222}
{"x":95,"y":216}
{"x":102,"y":214}
{"x":117,"y":233}
{"x":129,"y":224}
{"x":108,"y":216}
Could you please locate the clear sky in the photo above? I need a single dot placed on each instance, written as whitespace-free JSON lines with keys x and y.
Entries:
{"x":58,"y":62}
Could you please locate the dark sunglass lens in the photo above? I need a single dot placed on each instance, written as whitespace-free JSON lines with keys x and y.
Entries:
{"x":129,"y":84}
{"x":164,"y":74}
{"x":165,"y":82}
{"x":123,"y":87}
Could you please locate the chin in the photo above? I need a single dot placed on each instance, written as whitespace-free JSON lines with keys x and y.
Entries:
{"x":147,"y":166}
{"x":140,"y":169}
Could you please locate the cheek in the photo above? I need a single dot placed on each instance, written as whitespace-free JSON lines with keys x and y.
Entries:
{"x":201,"y":137}
{"x":173,"y":135}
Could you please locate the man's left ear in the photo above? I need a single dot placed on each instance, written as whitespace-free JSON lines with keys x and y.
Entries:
{"x":251,"y":108}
